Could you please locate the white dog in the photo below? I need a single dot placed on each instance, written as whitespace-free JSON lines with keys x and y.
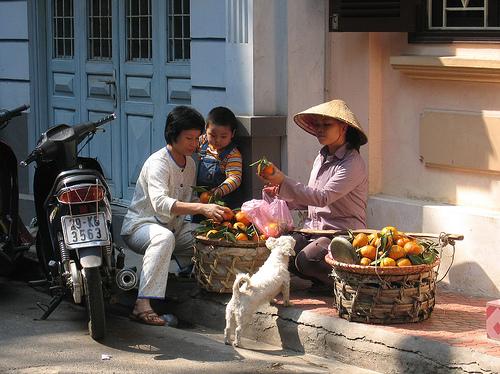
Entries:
{"x":251,"y":292}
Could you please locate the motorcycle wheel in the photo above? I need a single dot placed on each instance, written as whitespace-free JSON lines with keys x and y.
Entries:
{"x":95,"y":302}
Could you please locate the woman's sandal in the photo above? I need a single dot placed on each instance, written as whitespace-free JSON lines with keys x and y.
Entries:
{"x":148,"y":317}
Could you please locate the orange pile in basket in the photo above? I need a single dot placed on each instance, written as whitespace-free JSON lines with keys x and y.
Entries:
{"x":390,"y":247}
{"x":236,"y":228}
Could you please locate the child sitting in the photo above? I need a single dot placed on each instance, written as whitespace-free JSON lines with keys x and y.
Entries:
{"x":220,"y":163}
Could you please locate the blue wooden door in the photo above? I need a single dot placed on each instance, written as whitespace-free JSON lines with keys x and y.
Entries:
{"x":122,"y":56}
{"x":154,"y":76}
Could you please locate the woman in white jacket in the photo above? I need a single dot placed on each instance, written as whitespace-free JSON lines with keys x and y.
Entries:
{"x":154,"y":224}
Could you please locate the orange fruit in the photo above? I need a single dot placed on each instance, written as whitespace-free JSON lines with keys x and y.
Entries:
{"x":360,"y":240}
{"x":402,"y":241}
{"x":396,"y":252}
{"x":368,"y":251}
{"x":389,"y":229}
{"x":240,"y":226}
{"x":243,"y":218}
{"x":205,"y":197}
{"x":365,"y":261}
{"x":403,"y":262}
{"x":265,"y":169}
{"x":241,"y":236}
{"x":413,"y":248}
{"x":387,"y":261}
{"x":228,"y":215}
{"x":272,"y":229}
{"x":372,"y":238}
{"x":227,"y":224}
{"x":211,"y":233}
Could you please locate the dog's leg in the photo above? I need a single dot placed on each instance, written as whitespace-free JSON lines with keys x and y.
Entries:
{"x":240,"y":321}
{"x":229,"y":324}
{"x":285,"y":290}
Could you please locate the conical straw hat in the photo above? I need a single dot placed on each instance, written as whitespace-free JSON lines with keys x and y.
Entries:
{"x":336,"y":109}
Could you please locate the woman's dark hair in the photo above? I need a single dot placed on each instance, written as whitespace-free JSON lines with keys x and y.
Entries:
{"x":222,"y":116}
{"x":182,"y":118}
{"x":352,"y":138}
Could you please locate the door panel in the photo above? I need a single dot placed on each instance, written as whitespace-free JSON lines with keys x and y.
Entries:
{"x":63,"y":82}
{"x":138,"y":147}
{"x":102,"y":147}
{"x":99,"y":81}
{"x":63,"y":115}
{"x":137,"y":68}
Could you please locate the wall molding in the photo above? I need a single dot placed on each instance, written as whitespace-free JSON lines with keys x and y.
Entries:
{"x":449,"y":68}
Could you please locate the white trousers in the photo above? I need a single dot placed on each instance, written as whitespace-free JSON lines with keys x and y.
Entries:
{"x":157,"y":244}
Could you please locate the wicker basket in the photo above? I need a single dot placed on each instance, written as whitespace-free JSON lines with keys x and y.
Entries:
{"x":217,"y":262}
{"x":384,"y":295}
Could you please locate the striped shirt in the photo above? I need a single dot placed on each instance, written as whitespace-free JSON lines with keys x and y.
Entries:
{"x":231,"y":165}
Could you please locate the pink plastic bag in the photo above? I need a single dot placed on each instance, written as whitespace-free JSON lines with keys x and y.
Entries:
{"x":272,"y":218}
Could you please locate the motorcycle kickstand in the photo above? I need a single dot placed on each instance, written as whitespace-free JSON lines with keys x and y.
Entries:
{"x":48,"y":309}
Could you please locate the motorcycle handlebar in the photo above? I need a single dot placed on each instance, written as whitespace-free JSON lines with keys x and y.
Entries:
{"x":9,"y":114}
{"x":84,"y":129}
{"x":104,"y":120}
{"x":80,"y":131}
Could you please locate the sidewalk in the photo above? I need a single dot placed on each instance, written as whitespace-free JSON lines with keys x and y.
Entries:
{"x":453,"y":339}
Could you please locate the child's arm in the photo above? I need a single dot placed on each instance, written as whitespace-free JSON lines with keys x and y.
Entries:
{"x":233,"y":166}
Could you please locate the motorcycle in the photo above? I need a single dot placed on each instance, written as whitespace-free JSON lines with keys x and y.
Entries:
{"x":74,"y":241}
{"x":15,"y":239}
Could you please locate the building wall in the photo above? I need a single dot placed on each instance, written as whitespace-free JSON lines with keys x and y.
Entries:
{"x":208,"y":57}
{"x":306,"y":82}
{"x":404,"y":190}
{"x":14,"y":61}
{"x":14,"y":77}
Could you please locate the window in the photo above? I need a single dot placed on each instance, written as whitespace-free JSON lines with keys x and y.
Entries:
{"x":425,"y":20}
{"x":100,"y":35}
{"x":372,"y":15}
{"x":179,"y":35}
{"x":63,"y":29}
{"x":457,"y":20}
{"x":139,"y":30}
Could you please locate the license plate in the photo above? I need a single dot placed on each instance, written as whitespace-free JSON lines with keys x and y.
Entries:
{"x":85,"y":230}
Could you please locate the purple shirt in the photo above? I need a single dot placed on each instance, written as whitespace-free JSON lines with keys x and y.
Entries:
{"x":336,"y":194}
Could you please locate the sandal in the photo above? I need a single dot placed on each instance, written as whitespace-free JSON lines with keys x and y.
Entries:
{"x":148,"y":317}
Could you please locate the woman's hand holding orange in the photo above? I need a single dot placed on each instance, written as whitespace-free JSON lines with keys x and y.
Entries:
{"x":276,"y":177}
{"x":215,"y":211}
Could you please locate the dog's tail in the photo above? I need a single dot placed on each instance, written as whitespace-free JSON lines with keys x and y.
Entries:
{"x":238,"y":282}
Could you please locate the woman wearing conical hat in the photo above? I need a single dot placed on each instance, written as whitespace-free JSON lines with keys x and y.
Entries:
{"x":336,"y":194}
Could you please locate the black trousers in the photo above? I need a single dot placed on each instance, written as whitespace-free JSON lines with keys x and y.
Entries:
{"x":309,"y":262}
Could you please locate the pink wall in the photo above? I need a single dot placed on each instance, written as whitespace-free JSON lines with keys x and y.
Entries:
{"x":389,"y":105}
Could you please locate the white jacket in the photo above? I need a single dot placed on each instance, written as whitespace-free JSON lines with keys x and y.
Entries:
{"x":160,"y":184}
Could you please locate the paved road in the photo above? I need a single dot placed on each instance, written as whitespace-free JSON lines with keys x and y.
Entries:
{"x":61,"y":344}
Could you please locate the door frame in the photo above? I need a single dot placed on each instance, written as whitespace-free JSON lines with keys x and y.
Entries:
{"x":37,"y":44}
